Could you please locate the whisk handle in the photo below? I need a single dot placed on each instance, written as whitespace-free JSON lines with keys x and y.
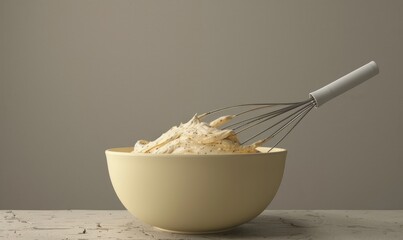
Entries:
{"x":344,"y":83}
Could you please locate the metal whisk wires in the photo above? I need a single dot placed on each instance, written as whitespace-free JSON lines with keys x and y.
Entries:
{"x":281,"y":117}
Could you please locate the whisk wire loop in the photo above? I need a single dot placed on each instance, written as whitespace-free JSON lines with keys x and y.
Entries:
{"x":265,"y":116}
{"x":293,"y":116}
{"x":300,"y":117}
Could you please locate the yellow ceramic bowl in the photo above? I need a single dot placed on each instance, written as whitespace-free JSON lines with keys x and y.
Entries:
{"x":195,"y":193}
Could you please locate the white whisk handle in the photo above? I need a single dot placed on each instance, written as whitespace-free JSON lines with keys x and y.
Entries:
{"x":344,"y":83}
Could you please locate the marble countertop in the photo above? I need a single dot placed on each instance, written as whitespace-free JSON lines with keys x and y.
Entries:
{"x":271,"y":224}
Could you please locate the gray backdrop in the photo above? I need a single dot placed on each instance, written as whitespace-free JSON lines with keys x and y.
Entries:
{"x":78,"y":77}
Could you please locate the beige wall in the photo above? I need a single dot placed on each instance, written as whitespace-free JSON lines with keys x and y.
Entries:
{"x":78,"y":77}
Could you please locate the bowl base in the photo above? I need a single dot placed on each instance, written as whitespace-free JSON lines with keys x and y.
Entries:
{"x":194,"y":233}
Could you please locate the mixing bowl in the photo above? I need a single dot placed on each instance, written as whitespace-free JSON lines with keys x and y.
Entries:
{"x":195,"y":193}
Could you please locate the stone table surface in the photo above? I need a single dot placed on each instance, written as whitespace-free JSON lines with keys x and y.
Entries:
{"x":271,"y":224}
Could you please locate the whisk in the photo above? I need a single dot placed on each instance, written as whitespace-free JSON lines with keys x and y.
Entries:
{"x":286,"y":116}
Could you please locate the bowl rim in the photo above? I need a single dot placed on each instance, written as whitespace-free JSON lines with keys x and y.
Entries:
{"x":122,"y":151}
